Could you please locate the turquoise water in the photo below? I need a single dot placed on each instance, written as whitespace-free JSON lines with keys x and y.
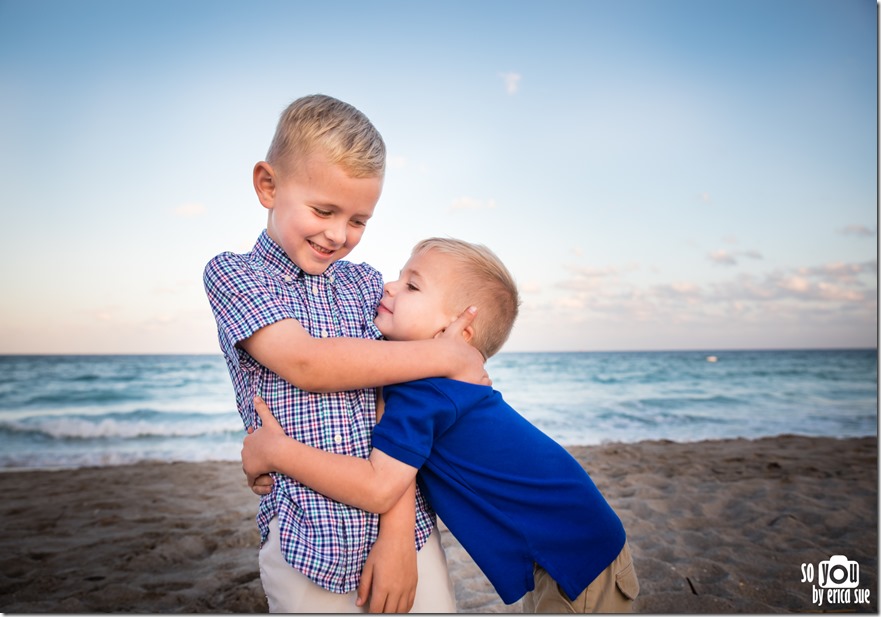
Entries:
{"x":71,"y":411}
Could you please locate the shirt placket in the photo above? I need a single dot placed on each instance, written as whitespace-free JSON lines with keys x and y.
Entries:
{"x":324,"y":323}
{"x":328,"y":305}
{"x":324,"y":319}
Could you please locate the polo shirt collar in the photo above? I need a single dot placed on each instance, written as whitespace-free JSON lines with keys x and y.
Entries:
{"x":274,"y":258}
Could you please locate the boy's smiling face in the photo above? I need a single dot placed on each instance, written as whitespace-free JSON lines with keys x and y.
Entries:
{"x":317,"y":213}
{"x":416,"y":306}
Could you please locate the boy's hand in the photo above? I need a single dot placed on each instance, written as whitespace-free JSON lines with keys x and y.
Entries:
{"x":470,"y":368}
{"x":389,"y":577}
{"x":257,"y":446}
{"x":262,"y":484}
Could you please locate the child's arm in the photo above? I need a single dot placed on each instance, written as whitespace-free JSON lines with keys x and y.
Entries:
{"x":390,"y":575}
{"x":337,"y":364}
{"x":375,"y":484}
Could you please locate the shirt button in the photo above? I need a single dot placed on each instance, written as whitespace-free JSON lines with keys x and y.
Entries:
{"x":324,"y":334}
{"x":338,"y":439}
{"x":330,"y":278}
{"x":315,"y":289}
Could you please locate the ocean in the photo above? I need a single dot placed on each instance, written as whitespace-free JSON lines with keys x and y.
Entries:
{"x":75,"y":411}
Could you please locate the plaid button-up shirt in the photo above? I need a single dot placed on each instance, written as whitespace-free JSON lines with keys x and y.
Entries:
{"x":326,"y":540}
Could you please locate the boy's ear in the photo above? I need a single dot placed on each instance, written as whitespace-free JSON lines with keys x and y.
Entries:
{"x":264,"y":184}
{"x":468,"y":333}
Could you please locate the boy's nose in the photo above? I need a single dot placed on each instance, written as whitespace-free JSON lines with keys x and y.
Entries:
{"x":390,"y":288}
{"x":336,"y":233}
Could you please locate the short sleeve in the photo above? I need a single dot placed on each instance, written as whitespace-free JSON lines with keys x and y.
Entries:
{"x":242,"y":299}
{"x":416,"y":414}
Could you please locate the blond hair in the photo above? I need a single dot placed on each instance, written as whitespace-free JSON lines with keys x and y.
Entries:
{"x":323,"y":124}
{"x":482,"y":280}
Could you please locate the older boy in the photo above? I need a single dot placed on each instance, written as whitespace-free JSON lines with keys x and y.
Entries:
{"x":522,"y":507}
{"x":290,"y":315}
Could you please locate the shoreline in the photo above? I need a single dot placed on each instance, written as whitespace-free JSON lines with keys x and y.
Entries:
{"x":569,"y":447}
{"x":714,"y":526}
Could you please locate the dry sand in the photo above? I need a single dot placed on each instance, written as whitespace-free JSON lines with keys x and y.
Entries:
{"x":715,"y":526}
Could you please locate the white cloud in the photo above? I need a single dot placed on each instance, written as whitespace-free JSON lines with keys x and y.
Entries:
{"x":795,"y":284}
{"x":722,"y":257}
{"x":679,"y":290}
{"x":831,"y":290}
{"x":830,"y":283}
{"x":725,"y":258}
{"x":841,"y":271}
{"x":512,"y":82}
{"x":857,"y":230}
{"x":584,"y":277}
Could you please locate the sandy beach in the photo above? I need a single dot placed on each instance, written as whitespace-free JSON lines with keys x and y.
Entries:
{"x":714,"y":526}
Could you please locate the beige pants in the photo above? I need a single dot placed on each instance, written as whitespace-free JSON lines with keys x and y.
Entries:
{"x":613,"y":591}
{"x":289,"y":591}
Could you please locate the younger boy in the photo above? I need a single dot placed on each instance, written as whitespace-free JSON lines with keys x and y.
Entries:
{"x":290,"y":315}
{"x":523,"y":508}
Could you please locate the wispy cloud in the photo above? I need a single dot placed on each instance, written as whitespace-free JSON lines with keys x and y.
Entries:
{"x":839,"y":271}
{"x":512,"y":82}
{"x":831,"y":283}
{"x":722,"y":257}
{"x":730,"y":258}
{"x":828,"y":288}
{"x":588,"y":278}
{"x":857,"y":230}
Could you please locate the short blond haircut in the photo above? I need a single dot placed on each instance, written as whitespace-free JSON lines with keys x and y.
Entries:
{"x":482,"y":280}
{"x":323,"y":124}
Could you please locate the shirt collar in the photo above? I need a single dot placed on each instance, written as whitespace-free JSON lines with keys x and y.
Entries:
{"x":274,"y":258}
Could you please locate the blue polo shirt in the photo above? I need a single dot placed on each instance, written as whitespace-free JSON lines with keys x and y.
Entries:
{"x":509,"y":493}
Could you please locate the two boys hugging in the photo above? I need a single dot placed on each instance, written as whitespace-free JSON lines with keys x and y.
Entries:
{"x":346,"y":516}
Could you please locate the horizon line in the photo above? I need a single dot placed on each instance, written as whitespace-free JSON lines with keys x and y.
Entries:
{"x":714,"y":350}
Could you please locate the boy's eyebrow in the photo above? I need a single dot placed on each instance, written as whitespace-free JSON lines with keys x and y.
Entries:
{"x":335,"y":207}
{"x":411,"y":272}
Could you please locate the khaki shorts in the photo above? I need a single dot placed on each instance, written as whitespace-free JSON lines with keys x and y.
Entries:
{"x":289,"y":591}
{"x":613,"y":591}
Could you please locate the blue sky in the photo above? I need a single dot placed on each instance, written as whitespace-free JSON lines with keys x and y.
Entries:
{"x":657,"y":174}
